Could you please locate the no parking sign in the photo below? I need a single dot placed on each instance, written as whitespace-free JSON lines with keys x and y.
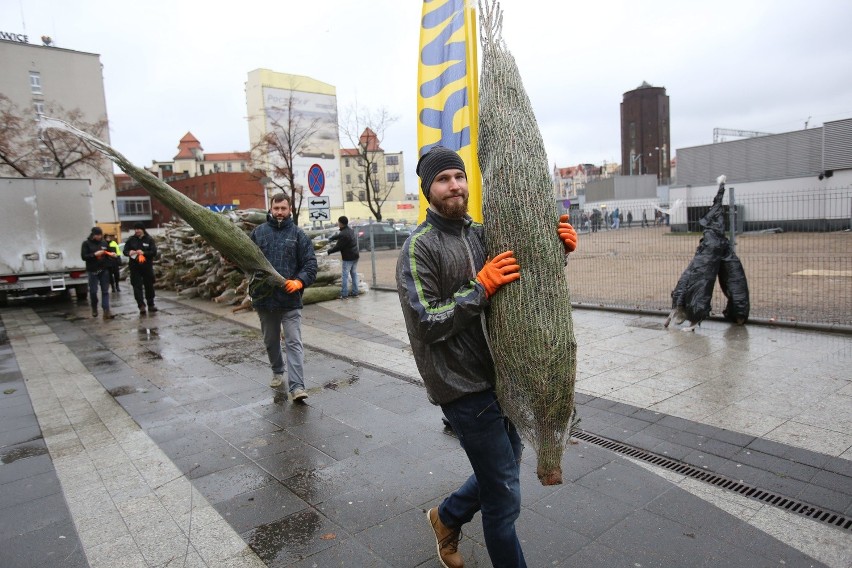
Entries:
{"x":316,"y":179}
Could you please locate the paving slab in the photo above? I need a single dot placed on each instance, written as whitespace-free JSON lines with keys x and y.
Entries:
{"x":347,"y":476}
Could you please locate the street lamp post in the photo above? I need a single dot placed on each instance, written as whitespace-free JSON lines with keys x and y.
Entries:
{"x":633,"y":160}
{"x":659,"y":165}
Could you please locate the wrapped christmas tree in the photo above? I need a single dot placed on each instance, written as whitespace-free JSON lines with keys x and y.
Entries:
{"x":529,"y":323}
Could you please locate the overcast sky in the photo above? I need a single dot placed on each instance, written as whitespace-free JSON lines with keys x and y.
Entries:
{"x":176,"y":66}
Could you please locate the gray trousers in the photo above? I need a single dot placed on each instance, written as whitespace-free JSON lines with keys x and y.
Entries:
{"x":271,"y":324}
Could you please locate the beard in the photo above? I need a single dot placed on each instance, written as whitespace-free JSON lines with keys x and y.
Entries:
{"x":452,"y":208}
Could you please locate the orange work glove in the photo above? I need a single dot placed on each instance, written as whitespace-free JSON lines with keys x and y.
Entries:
{"x":293,"y":286}
{"x":567,"y":233}
{"x":140,"y":258}
{"x":499,"y":271}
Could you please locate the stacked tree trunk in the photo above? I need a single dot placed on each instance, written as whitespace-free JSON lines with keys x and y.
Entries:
{"x":189,"y":265}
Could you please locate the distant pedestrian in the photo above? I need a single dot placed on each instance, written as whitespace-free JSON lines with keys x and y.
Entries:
{"x":98,"y":257}
{"x":616,"y":218}
{"x":347,"y":245}
{"x":142,"y":250}
{"x":115,"y":266}
{"x":644,"y":219}
{"x":629,"y":219}
{"x":291,"y":253}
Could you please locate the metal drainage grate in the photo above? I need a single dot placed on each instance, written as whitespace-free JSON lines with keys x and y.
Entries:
{"x":750,"y":491}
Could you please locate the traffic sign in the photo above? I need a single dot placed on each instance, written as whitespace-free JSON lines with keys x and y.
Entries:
{"x":316,"y":179}
{"x":319,"y":202}
{"x":319,"y":208}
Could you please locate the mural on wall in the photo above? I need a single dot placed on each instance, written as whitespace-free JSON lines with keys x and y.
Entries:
{"x":315,"y":134}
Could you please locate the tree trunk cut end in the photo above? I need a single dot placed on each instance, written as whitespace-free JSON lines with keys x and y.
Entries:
{"x":550,"y":477}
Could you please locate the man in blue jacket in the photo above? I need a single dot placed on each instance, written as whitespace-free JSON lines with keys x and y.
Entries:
{"x":291,"y":253}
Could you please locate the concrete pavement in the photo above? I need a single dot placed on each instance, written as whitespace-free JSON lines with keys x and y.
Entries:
{"x":155,"y":442}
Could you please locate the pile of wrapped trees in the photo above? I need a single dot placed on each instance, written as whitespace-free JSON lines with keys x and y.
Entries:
{"x":529,"y":323}
{"x":189,"y":265}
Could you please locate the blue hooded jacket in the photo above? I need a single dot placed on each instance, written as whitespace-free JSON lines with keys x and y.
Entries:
{"x":291,"y":252}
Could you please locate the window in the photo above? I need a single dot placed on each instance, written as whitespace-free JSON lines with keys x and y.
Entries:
{"x":213,"y":188}
{"x":134,"y":207}
{"x":374,"y":167}
{"x":201,"y":167}
{"x":393,"y":176}
{"x":360,"y":178}
{"x":346,"y":162}
{"x":350,"y":196}
{"x":360,"y":161}
{"x":46,"y":166}
{"x":242,"y":166}
{"x":392,"y":160}
{"x":349,"y":179}
{"x":38,"y":106}
{"x":230,"y":167}
{"x":362,"y":195}
{"x":35,"y":82}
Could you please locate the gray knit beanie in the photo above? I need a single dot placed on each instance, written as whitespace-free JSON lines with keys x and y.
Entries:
{"x":433,"y":162}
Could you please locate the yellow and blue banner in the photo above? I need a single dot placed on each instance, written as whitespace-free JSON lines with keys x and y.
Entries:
{"x":448,"y":89}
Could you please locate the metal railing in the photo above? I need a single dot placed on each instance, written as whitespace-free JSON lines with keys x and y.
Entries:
{"x":796,"y":250}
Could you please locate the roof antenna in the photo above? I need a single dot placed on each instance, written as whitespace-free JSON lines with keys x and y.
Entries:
{"x":807,"y":121}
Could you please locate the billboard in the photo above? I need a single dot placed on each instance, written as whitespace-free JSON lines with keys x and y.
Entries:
{"x":309,"y":122}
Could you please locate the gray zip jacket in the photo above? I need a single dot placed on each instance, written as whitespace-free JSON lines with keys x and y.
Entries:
{"x":444,"y":306}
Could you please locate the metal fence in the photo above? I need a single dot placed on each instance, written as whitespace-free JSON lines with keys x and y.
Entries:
{"x":796,"y":250}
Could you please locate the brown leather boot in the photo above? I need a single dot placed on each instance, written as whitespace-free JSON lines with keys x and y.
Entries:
{"x":446,"y":540}
{"x":108,"y":315}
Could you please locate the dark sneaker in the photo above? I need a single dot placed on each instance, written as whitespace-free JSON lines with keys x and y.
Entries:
{"x":94,"y":313}
{"x":152,"y":308}
{"x":299,"y":395}
{"x":142,"y":310}
{"x":108,"y":315}
{"x":354,"y":295}
{"x":446,"y":541}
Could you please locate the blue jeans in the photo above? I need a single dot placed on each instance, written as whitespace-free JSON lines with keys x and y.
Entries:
{"x":271,"y":324}
{"x":350,"y":267}
{"x":99,"y":279}
{"x":494,"y":449}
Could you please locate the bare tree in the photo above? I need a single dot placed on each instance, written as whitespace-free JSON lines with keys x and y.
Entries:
{"x":365,"y":129}
{"x":289,"y":135}
{"x":24,"y":152}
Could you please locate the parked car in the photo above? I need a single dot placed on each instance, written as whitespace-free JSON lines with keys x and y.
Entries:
{"x":384,"y":236}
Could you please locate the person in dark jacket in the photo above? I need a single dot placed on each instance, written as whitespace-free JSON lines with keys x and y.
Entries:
{"x":291,"y":253}
{"x":98,"y":257}
{"x":142,"y":250}
{"x":347,"y":246}
{"x":445,"y":283}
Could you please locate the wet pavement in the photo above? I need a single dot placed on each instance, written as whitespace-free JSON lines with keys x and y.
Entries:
{"x":155,"y":441}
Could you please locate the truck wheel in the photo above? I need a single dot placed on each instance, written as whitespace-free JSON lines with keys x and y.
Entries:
{"x":81,"y":291}
{"x":4,"y":299}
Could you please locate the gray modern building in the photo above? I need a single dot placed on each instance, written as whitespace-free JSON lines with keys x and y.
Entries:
{"x":40,"y":77}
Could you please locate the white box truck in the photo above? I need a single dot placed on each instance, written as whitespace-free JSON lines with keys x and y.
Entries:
{"x":43,"y":223}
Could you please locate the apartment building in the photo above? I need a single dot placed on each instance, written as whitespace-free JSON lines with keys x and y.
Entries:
{"x":40,"y":77}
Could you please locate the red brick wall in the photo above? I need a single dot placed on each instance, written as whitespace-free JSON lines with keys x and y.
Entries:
{"x":220,"y":188}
